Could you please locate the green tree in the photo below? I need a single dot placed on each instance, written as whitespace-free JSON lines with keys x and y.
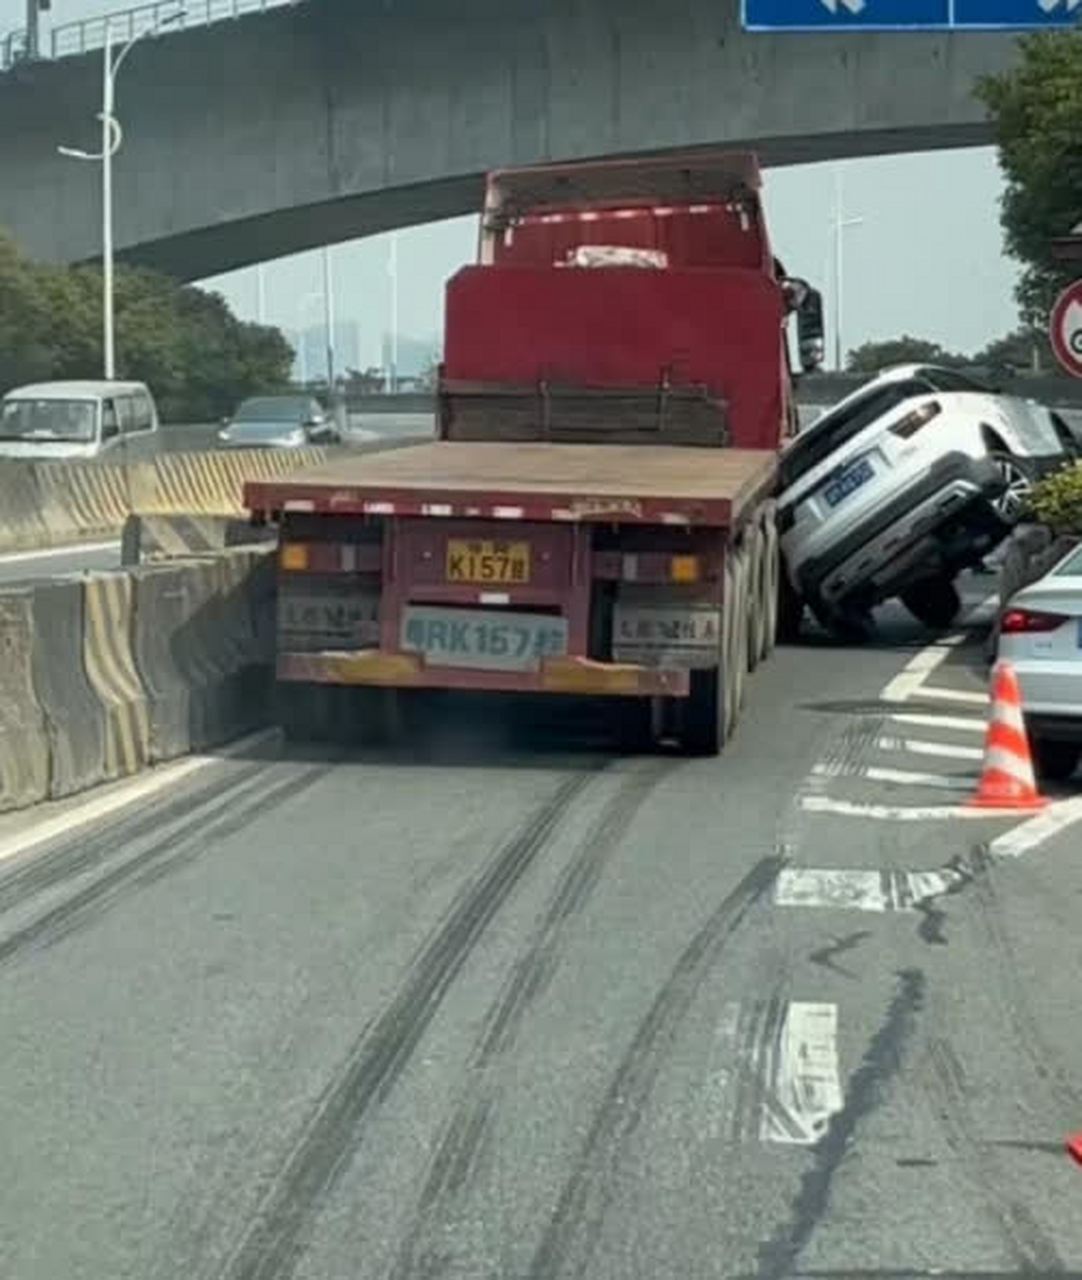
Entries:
{"x":186,"y":344}
{"x":1036,"y":111}
{"x":1019,"y":352}
{"x":873,"y":356}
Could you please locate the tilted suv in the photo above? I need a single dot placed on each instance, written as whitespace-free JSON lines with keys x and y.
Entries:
{"x":912,"y":478}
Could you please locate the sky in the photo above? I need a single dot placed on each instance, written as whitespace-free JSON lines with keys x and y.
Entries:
{"x":925,"y":257}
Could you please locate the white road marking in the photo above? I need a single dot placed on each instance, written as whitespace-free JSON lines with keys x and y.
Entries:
{"x":803,"y":1084}
{"x":896,"y":777}
{"x":1029,"y":835}
{"x":912,"y":676}
{"x":68,"y":549}
{"x":984,"y":611}
{"x":123,"y":796}
{"x":954,"y":695}
{"x":919,"y":747}
{"x":898,"y":813}
{"x":965,"y":724}
{"x":857,"y":890}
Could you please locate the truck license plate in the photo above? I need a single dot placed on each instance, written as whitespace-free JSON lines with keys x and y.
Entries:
{"x":316,"y":614}
{"x":470,"y":560}
{"x":686,"y":636}
{"x":487,"y":640}
{"x":848,"y":482}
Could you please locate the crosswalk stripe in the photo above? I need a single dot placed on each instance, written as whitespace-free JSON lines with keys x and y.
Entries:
{"x":919,"y":747}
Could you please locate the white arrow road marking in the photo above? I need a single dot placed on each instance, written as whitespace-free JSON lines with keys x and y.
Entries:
{"x":803,"y":1088}
{"x":1027,"y":836}
{"x":848,"y":889}
{"x":912,"y":676}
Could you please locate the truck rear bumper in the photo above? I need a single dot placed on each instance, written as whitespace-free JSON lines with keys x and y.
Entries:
{"x":555,"y":675}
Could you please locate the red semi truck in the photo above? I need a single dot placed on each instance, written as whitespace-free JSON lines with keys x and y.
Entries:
{"x":596,"y":515}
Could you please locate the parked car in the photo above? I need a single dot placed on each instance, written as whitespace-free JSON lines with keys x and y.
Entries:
{"x":53,"y":420}
{"x":915,"y":476}
{"x":278,"y":422}
{"x":1040,"y":633}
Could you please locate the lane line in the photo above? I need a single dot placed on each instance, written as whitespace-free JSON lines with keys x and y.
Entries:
{"x":897,"y":777}
{"x":920,"y":747}
{"x":906,"y":683}
{"x":954,"y":695}
{"x":803,"y":1081}
{"x":1030,"y":835}
{"x":125,"y":795}
{"x":850,"y":889}
{"x":898,"y":813}
{"x":965,"y":724}
{"x":69,"y":549}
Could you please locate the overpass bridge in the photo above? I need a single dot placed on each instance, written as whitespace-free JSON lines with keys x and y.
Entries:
{"x":323,"y":120}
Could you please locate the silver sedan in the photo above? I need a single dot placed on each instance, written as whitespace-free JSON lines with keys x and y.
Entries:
{"x":1041,"y":636}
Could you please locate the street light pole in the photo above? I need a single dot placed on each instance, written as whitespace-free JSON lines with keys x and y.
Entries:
{"x":840,"y":225}
{"x":328,"y":314}
{"x":112,"y":137}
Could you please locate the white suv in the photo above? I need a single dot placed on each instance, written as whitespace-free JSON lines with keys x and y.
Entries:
{"x":896,"y":489}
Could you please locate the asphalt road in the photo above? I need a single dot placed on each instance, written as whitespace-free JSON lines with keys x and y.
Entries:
{"x":501,"y":1003}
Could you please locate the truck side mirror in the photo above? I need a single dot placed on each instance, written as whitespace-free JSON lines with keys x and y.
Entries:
{"x":809,"y":330}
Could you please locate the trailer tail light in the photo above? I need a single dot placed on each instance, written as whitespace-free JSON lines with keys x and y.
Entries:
{"x":912,"y":422}
{"x":1018,"y":622}
{"x":685,"y":569}
{"x":293,"y":557}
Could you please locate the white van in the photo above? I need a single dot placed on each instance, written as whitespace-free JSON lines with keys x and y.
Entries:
{"x":75,"y":419}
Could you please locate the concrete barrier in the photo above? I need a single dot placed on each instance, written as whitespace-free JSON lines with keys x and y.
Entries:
{"x":60,"y":503}
{"x":24,"y":742}
{"x":204,"y":660}
{"x":169,"y":537}
{"x":75,"y":718}
{"x":22,"y":523}
{"x":111,"y":671}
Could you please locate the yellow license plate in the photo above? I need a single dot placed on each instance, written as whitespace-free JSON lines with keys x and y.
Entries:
{"x":507,"y":563}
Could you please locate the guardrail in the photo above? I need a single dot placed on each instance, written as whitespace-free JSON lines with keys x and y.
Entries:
{"x":69,"y":39}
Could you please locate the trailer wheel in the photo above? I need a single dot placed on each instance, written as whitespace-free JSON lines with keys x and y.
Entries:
{"x":791,"y":607}
{"x":706,"y":714}
{"x":755,"y":569}
{"x":771,"y":585}
{"x":738,"y":662}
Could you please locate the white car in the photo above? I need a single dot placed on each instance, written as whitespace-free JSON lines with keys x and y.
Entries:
{"x":1041,"y":636}
{"x":914,"y":477}
{"x":70,"y":420}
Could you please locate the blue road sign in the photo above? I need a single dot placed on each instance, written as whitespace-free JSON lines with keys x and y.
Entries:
{"x":909,"y":15}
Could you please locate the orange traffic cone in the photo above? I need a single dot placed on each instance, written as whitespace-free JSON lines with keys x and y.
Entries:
{"x":1074,"y":1147}
{"x":1007,"y":779}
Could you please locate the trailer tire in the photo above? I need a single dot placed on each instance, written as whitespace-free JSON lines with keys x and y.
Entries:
{"x":706,"y":715}
{"x":791,"y":607}
{"x":771,"y":585}
{"x":738,"y":662}
{"x":755,"y":562}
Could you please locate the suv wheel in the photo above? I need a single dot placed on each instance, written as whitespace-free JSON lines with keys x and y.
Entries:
{"x":935,"y":602}
{"x":1018,"y":476}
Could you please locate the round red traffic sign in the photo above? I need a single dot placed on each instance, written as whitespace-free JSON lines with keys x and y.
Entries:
{"x":1065,"y":328}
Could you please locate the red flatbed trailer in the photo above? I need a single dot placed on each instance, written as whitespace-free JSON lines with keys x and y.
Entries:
{"x":588,"y":522}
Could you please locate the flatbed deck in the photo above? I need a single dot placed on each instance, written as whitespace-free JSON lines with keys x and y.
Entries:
{"x":647,"y":484}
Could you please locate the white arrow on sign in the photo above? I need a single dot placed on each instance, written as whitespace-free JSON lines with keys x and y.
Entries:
{"x":857,"y":6}
{"x":1050,"y":6}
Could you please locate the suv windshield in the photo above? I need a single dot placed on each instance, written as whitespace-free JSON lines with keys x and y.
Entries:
{"x":274,"y":409}
{"x":69,"y":420}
